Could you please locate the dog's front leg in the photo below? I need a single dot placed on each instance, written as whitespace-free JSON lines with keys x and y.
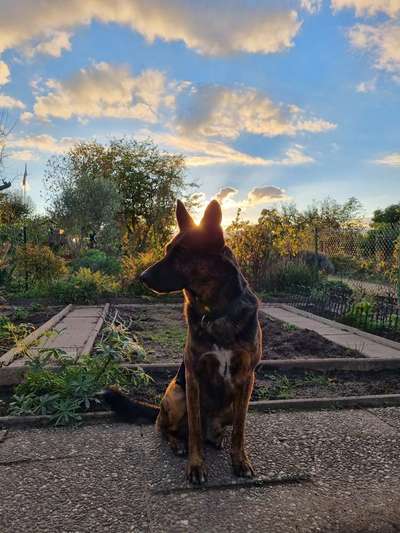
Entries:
{"x":196,"y":469}
{"x":240,"y":462}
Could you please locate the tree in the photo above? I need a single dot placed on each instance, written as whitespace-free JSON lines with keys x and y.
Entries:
{"x":260,"y":247}
{"x":86,"y":206}
{"x":13,"y":209}
{"x":389,"y":215}
{"x":4,"y":132}
{"x":144,"y":181}
{"x":331,"y":214}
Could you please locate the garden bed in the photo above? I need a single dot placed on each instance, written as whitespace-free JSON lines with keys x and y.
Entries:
{"x":161,"y":330}
{"x":282,"y":386}
{"x":26,"y":319}
{"x":299,"y":384}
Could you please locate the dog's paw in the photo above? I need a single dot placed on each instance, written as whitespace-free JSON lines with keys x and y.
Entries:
{"x":242,"y":468}
{"x":196,"y":473}
{"x":179,"y":448}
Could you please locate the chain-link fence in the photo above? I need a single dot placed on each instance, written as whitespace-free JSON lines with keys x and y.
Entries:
{"x":357,"y":277}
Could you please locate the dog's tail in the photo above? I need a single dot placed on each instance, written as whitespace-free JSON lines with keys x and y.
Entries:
{"x":130,"y":410}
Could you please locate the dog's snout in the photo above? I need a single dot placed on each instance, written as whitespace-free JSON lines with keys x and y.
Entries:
{"x":143,"y":276}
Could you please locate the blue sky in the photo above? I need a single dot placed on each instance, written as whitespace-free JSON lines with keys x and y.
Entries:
{"x":270,"y":101}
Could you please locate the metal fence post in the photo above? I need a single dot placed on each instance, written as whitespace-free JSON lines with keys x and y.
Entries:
{"x":316,"y":250}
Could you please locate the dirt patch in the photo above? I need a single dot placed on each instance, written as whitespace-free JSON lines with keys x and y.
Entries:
{"x":26,"y":318}
{"x":162,"y":331}
{"x":284,"y":341}
{"x":278,"y":386}
{"x":281,"y":386}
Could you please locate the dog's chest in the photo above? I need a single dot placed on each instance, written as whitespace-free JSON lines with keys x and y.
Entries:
{"x":224,"y":358}
{"x":218,"y":362}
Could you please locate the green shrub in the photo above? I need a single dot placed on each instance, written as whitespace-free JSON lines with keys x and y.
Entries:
{"x":84,"y":287}
{"x":73,"y":389}
{"x":119,"y":343}
{"x":40,"y":263}
{"x":346,"y":264}
{"x":332,"y":288}
{"x":290,"y":278}
{"x":132,"y":267}
{"x":97,"y":261}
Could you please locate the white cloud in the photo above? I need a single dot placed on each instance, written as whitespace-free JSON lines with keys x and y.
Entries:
{"x":209,"y":27}
{"x":53,"y":44}
{"x":366,"y":86}
{"x":26,"y":116}
{"x":42,"y":143}
{"x":23,"y":155}
{"x":225,"y":194}
{"x":392,"y":160}
{"x":104,"y":90}
{"x":382,"y":42}
{"x":10,"y":102}
{"x":4,"y":73}
{"x":217,"y":111}
{"x":267,"y":194}
{"x":295,"y":156}
{"x":204,"y":152}
{"x":369,"y":7}
{"x":249,"y":203}
{"x":312,"y":6}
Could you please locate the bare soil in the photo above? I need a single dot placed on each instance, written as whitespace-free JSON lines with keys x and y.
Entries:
{"x":33,"y":317}
{"x":278,"y":386}
{"x":161,"y":330}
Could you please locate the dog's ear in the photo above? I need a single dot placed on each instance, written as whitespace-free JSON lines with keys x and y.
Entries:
{"x":185,"y":221}
{"x":212,"y":217}
{"x":211,"y":222}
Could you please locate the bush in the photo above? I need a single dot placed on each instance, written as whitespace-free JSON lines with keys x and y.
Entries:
{"x":97,"y":261}
{"x":132,"y":267}
{"x":311,"y":259}
{"x":41,"y":264}
{"x":290,"y":278}
{"x":346,"y":264}
{"x":332,"y":290}
{"x":73,"y":389}
{"x":84,"y":287}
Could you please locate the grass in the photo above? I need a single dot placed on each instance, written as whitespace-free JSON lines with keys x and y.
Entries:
{"x":289,"y":327}
{"x":172,"y":337}
{"x":284,"y":388}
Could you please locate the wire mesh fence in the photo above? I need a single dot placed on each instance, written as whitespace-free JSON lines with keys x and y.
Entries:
{"x":357,"y":277}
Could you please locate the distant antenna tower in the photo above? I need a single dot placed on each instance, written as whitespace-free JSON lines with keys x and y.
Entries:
{"x":24,"y":182}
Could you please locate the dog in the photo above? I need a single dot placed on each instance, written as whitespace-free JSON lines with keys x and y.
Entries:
{"x":213,"y":386}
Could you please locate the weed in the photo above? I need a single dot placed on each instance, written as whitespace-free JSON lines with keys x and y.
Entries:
{"x":172,"y":337}
{"x":73,"y":387}
{"x":11,"y":334}
{"x":20,"y":313}
{"x":119,"y":343}
{"x":289,"y":327}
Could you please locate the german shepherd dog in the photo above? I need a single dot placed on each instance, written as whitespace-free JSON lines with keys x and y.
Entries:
{"x":223,"y":347}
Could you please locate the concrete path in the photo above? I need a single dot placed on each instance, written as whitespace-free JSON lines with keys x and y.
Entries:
{"x":75,"y":333}
{"x":120,"y":478}
{"x":366,"y":343}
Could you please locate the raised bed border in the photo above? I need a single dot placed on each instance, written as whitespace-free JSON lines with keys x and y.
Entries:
{"x":9,"y":356}
{"x":263,"y":406}
{"x":13,"y":375}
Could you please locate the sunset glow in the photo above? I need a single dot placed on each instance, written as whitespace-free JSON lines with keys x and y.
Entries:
{"x":270,"y":102}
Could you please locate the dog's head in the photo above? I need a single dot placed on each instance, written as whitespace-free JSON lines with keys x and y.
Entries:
{"x":190,"y":257}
